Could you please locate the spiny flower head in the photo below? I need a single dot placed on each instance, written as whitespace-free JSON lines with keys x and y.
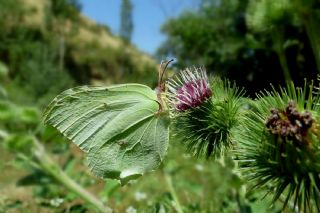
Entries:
{"x":279,"y":148}
{"x":188,"y":89}
{"x":290,"y":123}
{"x":202,"y":120}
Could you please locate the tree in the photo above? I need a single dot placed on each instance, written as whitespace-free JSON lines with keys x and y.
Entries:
{"x":66,"y":8}
{"x":253,"y":42}
{"x":126,"y":23}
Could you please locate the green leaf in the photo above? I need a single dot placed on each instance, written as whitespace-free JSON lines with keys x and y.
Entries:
{"x":119,"y":127}
{"x":3,"y":70}
{"x":7,"y":111}
{"x":19,"y":143}
{"x":11,"y":113}
{"x":3,"y":92}
{"x":29,"y":115}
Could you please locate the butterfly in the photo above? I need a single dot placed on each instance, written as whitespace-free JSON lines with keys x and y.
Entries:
{"x":123,"y":128}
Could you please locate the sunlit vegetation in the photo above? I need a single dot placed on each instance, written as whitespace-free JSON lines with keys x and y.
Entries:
{"x":199,"y":143}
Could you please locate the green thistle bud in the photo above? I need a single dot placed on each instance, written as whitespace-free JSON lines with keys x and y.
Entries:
{"x":203,"y":111}
{"x":279,"y":148}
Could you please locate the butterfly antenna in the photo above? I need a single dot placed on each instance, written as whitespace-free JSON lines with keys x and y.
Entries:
{"x":161,"y":86}
{"x":163,"y":67}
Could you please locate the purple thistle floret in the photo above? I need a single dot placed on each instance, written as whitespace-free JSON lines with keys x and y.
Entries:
{"x":188,"y":89}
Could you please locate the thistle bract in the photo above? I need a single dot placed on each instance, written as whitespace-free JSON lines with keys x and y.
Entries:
{"x":203,"y":111}
{"x":279,"y":148}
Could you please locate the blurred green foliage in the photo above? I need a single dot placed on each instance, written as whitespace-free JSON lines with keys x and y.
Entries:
{"x":255,"y":42}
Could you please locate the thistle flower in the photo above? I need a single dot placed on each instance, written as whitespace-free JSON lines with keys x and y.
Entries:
{"x":290,"y":123}
{"x":203,"y":112}
{"x":279,"y":146}
{"x":189,"y":89}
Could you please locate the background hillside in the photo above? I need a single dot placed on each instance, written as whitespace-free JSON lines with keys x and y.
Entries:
{"x":49,"y":46}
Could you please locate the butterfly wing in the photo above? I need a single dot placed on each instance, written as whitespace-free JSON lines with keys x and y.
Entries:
{"x":118,"y":126}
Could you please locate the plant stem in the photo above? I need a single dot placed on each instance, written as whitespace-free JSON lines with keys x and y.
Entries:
{"x":176,"y":205}
{"x":279,"y":49}
{"x":3,"y":134}
{"x":313,"y":33}
{"x":49,"y":166}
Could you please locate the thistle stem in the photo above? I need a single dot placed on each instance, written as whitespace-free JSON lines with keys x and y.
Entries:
{"x":3,"y":134}
{"x":278,"y":47}
{"x":173,"y":193}
{"x":45,"y":162}
{"x":49,"y":166}
{"x":312,"y":30}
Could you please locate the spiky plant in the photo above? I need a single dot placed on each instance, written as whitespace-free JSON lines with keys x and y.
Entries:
{"x":279,"y":146}
{"x":203,"y":111}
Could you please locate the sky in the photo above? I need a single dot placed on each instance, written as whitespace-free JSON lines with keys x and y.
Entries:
{"x":148,"y":16}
